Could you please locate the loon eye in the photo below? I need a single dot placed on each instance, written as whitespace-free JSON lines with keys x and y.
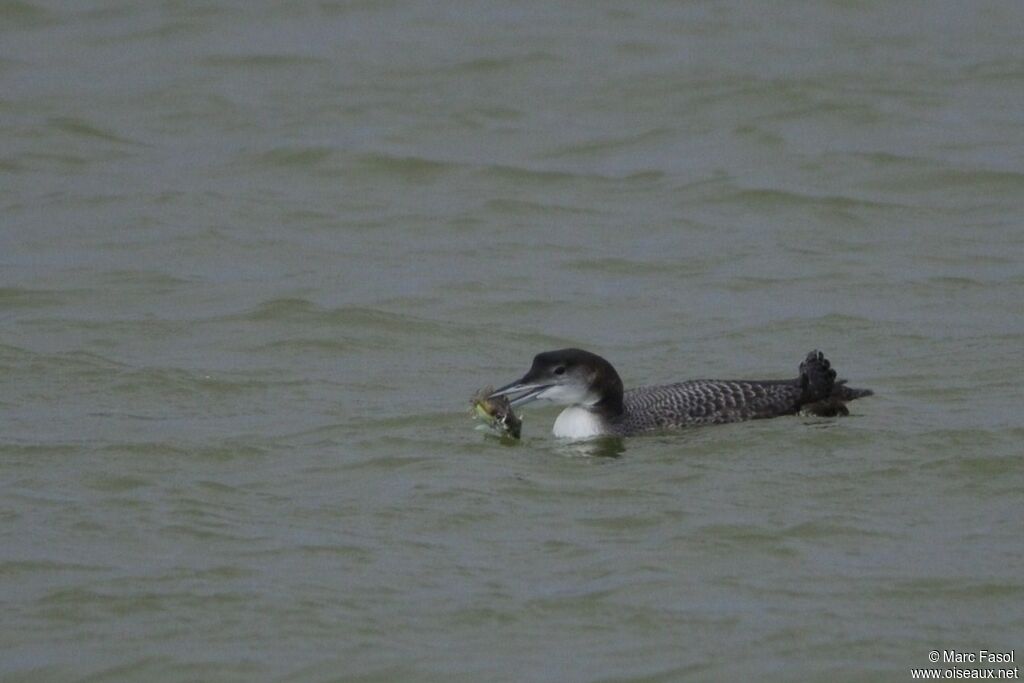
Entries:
{"x":560,"y":370}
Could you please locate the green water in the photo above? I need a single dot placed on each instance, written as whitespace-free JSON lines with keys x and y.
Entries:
{"x":256,"y":256}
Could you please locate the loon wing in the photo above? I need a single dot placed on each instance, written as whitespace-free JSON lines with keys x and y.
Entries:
{"x":710,"y":401}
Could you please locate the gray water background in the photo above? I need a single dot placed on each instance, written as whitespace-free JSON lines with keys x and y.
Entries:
{"x":255,"y":256}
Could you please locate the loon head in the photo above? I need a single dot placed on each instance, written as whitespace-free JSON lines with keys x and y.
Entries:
{"x":572,"y":377}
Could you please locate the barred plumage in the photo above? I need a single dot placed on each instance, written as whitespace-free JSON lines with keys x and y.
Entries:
{"x":704,"y":401}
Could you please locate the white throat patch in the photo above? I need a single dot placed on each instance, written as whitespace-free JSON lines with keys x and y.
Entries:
{"x":576,"y":422}
{"x":568,"y":394}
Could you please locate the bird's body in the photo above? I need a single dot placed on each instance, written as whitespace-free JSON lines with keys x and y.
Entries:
{"x":598,"y":405}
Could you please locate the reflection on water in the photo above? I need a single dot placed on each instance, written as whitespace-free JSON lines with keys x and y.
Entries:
{"x":605,"y":447}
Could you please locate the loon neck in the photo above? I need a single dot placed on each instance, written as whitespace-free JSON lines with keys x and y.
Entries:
{"x":593,"y":419}
{"x":610,"y":405}
{"x":606,"y":384}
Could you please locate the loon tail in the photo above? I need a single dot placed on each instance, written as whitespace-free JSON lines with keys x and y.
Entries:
{"x":822,"y":394}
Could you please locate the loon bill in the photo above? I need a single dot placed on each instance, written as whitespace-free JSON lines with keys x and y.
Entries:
{"x":598,"y":405}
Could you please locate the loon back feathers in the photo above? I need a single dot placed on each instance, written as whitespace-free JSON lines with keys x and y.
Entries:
{"x":705,"y":401}
{"x":709,"y":401}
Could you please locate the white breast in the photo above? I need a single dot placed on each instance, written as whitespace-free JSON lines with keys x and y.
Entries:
{"x":576,"y":422}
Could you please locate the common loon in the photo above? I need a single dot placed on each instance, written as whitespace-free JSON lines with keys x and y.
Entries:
{"x":598,"y":406}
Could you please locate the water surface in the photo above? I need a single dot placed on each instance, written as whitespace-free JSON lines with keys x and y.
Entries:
{"x":255,"y":257}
